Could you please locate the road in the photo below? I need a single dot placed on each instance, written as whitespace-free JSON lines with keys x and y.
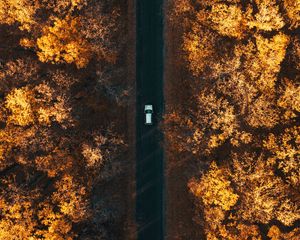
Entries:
{"x":149,"y":155}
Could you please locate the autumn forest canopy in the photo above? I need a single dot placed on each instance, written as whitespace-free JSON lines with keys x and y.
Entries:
{"x":236,"y":128}
{"x":231,"y":126}
{"x":60,"y":147}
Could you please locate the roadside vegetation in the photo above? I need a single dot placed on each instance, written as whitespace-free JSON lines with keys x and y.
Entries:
{"x":236,"y":125}
{"x":63,"y":96}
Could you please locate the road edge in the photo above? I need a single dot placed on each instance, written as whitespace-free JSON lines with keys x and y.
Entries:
{"x":130,"y":226}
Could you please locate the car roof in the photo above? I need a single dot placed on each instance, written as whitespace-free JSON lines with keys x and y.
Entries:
{"x":148,"y":107}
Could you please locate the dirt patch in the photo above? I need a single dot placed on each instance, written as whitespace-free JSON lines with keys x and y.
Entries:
{"x":130,"y":226}
{"x":179,"y":205}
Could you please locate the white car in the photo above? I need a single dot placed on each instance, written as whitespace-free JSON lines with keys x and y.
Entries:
{"x":148,"y":114}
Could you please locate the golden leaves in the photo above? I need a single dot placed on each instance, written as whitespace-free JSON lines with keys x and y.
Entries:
{"x":288,"y":212}
{"x":262,"y":113}
{"x":25,"y":108}
{"x":214,"y":188}
{"x":263,"y":195}
{"x":71,"y":198}
{"x":263,"y":60}
{"x":92,"y":155}
{"x":198,"y":45}
{"x":285,"y":151}
{"x":228,"y":20}
{"x":38,"y":143}
{"x":64,"y":6}
{"x":272,"y":51}
{"x":268,"y":17}
{"x":293,"y":11}
{"x":217,"y":116}
{"x":275,"y":233}
{"x":27,"y":43}
{"x":64,"y":43}
{"x":250,"y":66}
{"x":17,"y":218}
{"x":290,"y":99}
{"x":57,"y":225}
{"x":21,"y":11}
{"x":18,"y":103}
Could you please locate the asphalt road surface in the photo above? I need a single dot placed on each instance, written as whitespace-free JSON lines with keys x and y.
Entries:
{"x":149,"y":155}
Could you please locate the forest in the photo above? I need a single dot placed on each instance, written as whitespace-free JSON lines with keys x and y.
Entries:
{"x":63,"y":93}
{"x":234,"y":131}
{"x":231,"y":127}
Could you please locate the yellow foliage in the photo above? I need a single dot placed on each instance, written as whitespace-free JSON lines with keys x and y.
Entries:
{"x":71,"y":198}
{"x":268,"y":17}
{"x":241,"y":137}
{"x":262,"y":113}
{"x":21,"y":11}
{"x":275,"y":233}
{"x":262,"y":63}
{"x":271,"y":53}
{"x":77,"y":3}
{"x":63,"y":6}
{"x":3,"y":149}
{"x":288,"y":212}
{"x":18,"y":102}
{"x":13,"y":137}
{"x":290,"y":99}
{"x":92,"y":155}
{"x":49,"y":108}
{"x":26,"y":109}
{"x":27,"y":43}
{"x":248,"y":91}
{"x":217,"y":116}
{"x":64,"y":43}
{"x":285,"y":149}
{"x":296,"y":52}
{"x":58,"y":227}
{"x":228,"y":20}
{"x":293,"y":11}
{"x":263,"y":195}
{"x":205,"y":128}
{"x":257,"y":75}
{"x":238,"y":231}
{"x":17,"y":220}
{"x":214,"y":216}
{"x":198,"y":44}
{"x":214,"y":188}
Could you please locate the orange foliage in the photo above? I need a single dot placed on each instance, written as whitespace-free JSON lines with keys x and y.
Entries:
{"x":49,"y":158}
{"x":199,"y":47}
{"x":18,"y":103}
{"x":268,"y":17}
{"x":71,"y":198}
{"x":64,"y":43}
{"x":276,"y":234}
{"x":285,"y":152}
{"x":20,"y":11}
{"x":243,"y":62}
{"x":17,"y":220}
{"x":214,"y":188}
{"x":272,"y":52}
{"x":293,"y":11}
{"x":25,"y":108}
{"x":263,"y":195}
{"x":235,"y":231}
{"x":290,"y":99}
{"x":262,"y":113}
{"x":63,"y":6}
{"x":228,"y":20}
{"x":57,"y":226}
